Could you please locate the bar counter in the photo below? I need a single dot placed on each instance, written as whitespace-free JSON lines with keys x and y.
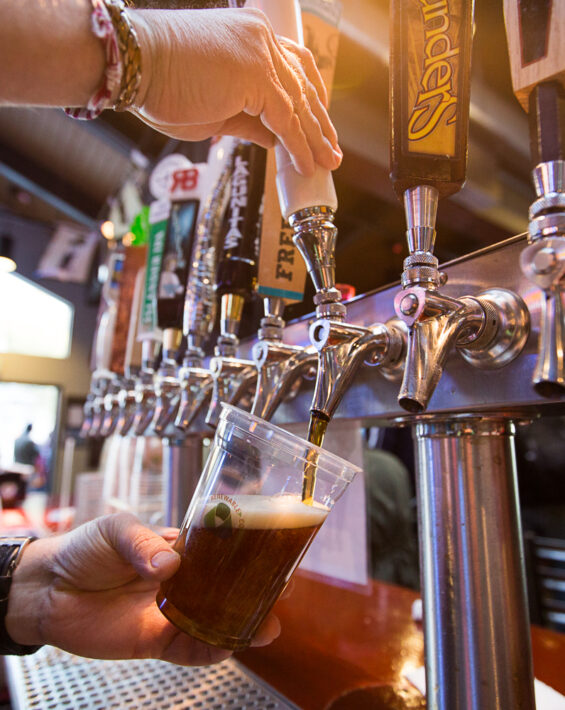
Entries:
{"x":345,"y":648}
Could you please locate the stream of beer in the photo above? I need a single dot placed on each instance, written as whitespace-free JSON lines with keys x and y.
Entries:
{"x":316,"y":432}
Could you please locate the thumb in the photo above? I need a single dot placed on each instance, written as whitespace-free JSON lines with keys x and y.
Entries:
{"x":149,"y":554}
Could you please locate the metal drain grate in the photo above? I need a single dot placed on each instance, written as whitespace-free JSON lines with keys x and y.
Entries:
{"x":55,"y":680}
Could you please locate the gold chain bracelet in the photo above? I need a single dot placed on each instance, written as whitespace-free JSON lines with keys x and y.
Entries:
{"x":130,"y":53}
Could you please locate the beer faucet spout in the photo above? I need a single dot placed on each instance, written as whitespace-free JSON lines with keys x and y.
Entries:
{"x":111,"y":408}
{"x":167,"y":398}
{"x":195,"y":389}
{"x":543,"y":263}
{"x":233,"y":381}
{"x":342,"y":349}
{"x":488,"y":330}
{"x":436,"y":323}
{"x":145,"y":403}
{"x":280,"y":368}
{"x":126,"y":406}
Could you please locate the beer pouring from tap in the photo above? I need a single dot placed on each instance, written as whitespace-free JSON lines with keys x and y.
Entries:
{"x":537,"y":61}
{"x":430,"y":84}
{"x":309,"y":205}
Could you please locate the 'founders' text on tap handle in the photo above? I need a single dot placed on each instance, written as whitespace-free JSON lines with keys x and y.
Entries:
{"x":430,"y":85}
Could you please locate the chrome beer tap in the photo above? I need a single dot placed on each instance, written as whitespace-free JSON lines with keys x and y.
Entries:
{"x":342,"y":347}
{"x":101,"y":382}
{"x":543,"y":262}
{"x":126,"y":405}
{"x":111,"y":406}
{"x":538,"y":80}
{"x":167,"y":385}
{"x":280,"y":366}
{"x":145,"y":397}
{"x":489,"y":329}
{"x":233,"y":378}
{"x":200,"y":301}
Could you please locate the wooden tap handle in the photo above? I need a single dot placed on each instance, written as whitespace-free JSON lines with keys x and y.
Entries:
{"x":535,"y":30}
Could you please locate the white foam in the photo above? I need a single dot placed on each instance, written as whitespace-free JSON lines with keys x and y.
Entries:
{"x":269,"y":512}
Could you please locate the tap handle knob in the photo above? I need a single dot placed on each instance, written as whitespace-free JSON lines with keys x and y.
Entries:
{"x":429,"y":93}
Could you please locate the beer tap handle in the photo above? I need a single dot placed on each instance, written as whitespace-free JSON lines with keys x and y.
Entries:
{"x":535,"y":42}
{"x":537,"y":60}
{"x":237,"y":266}
{"x":429,"y":94}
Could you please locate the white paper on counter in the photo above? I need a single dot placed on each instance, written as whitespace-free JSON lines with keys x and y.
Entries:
{"x":546,"y":698}
{"x":340,"y":548}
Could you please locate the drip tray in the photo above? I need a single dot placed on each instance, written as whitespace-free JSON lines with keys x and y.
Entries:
{"x":52,"y":679}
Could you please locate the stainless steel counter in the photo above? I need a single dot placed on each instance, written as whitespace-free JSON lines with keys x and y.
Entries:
{"x":52,"y":679}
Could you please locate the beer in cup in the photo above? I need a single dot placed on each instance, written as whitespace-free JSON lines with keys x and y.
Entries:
{"x":247,"y":529}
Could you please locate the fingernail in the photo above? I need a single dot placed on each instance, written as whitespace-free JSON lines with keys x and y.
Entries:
{"x":163,"y":558}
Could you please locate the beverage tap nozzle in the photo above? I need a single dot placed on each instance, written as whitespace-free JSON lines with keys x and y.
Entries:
{"x":488,"y":330}
{"x":543,"y":263}
{"x":167,"y":385}
{"x":342,"y":348}
{"x":280,"y":367}
{"x":87,"y":417}
{"x":538,"y":80}
{"x":196,"y":387}
{"x":126,"y":405}
{"x":111,"y":408}
{"x":145,"y":388}
{"x":233,"y":380}
{"x":101,"y":380}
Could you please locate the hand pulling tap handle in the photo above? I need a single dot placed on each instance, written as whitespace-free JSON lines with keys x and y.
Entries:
{"x":296,"y":192}
{"x":537,"y":59}
{"x":308,"y":203}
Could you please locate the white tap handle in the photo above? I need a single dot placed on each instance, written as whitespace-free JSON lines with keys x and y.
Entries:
{"x":295,"y":191}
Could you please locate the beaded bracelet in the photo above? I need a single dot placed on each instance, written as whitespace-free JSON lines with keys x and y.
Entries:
{"x":122,"y":75}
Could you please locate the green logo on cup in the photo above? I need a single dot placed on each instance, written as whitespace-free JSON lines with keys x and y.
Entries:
{"x":218,"y":518}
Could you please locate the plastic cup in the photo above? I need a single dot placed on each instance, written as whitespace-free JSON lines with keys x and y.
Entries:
{"x":247,"y":529}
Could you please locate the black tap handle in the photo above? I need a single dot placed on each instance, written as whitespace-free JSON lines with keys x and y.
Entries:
{"x":429,"y":93}
{"x":237,"y":266}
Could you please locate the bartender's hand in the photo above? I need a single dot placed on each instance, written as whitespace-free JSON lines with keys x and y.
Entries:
{"x":92,"y":592}
{"x":223,"y":72}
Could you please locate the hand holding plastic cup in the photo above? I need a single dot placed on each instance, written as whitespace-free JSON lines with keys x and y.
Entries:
{"x":247,"y":529}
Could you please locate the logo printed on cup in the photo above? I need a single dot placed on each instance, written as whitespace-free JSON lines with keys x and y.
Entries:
{"x":224,"y":516}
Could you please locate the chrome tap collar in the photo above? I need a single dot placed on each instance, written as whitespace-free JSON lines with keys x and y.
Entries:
{"x":315,"y":237}
{"x":549,"y":177}
{"x":420,"y":207}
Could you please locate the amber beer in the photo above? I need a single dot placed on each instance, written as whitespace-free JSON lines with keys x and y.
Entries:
{"x":236,"y":558}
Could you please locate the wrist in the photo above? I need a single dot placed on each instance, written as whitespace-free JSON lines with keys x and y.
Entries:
{"x":145,"y":29}
{"x":27,"y":614}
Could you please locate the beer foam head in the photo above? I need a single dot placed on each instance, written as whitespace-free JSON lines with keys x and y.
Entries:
{"x":263,"y":512}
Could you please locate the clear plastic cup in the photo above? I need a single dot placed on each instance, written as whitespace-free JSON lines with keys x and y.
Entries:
{"x":247,"y":529}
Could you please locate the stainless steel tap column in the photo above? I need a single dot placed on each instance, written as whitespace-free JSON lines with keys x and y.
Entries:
{"x":476,"y":624}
